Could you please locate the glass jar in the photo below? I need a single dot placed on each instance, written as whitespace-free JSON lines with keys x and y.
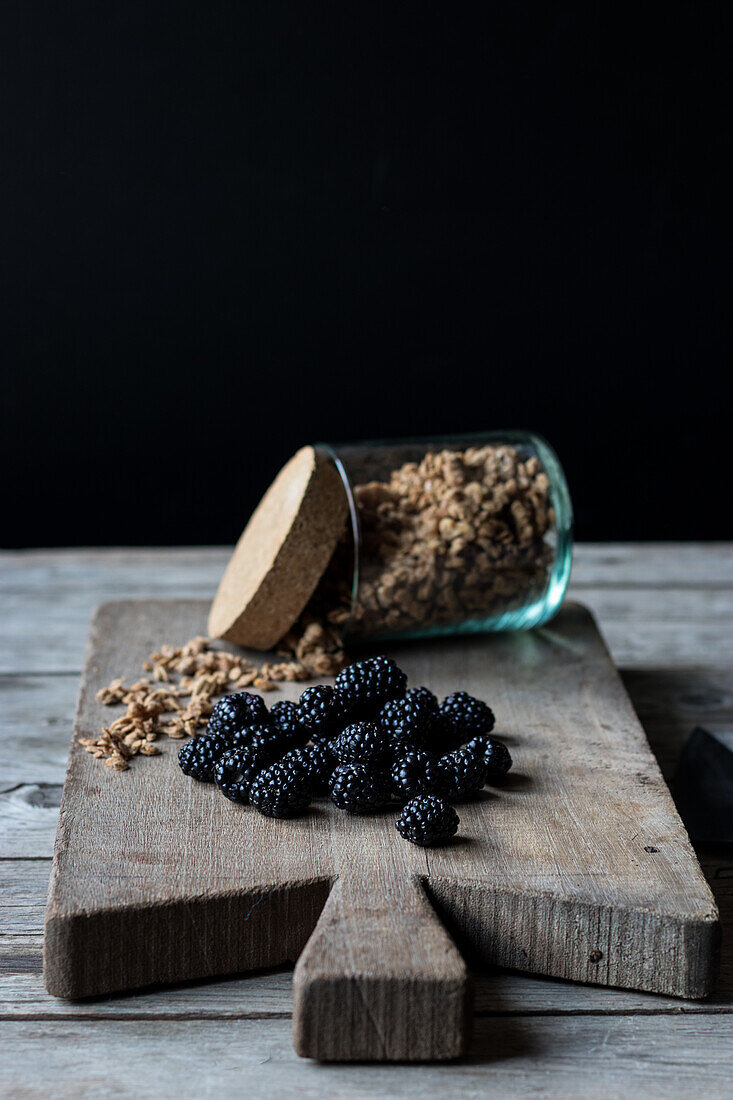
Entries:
{"x":458,"y":534}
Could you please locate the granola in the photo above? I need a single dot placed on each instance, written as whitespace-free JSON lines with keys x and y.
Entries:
{"x":454,"y":537}
{"x":177,"y":697}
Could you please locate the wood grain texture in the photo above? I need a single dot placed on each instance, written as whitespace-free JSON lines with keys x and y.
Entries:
{"x":576,"y":1058}
{"x":658,"y":604}
{"x":379,"y":978}
{"x":671,"y":627}
{"x":28,"y":820}
{"x":23,"y":887}
{"x":550,"y":872}
{"x":37,"y":714}
{"x":587,"y":1039}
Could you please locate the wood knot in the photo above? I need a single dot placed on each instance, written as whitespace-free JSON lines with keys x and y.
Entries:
{"x":596,"y":956}
{"x":650,"y":848}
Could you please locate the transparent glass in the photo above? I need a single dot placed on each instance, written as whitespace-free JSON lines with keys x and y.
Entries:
{"x":459,"y":534}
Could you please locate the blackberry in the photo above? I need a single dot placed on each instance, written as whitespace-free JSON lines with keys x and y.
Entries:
{"x":410,"y":720}
{"x":235,"y":712}
{"x":314,"y":764}
{"x":446,"y":737}
{"x":322,"y":712}
{"x":235,"y":771}
{"x":245,"y":735}
{"x":413,"y":774}
{"x":284,"y":716}
{"x":465,"y":717}
{"x":426,"y":699}
{"x":367,"y":685}
{"x":199,"y":755}
{"x":494,"y":755}
{"x":275,"y":792}
{"x":283,"y":713}
{"x":459,"y":775}
{"x":397,"y":749}
{"x":360,"y":743}
{"x":427,"y":821}
{"x":359,"y":788}
{"x":270,"y":741}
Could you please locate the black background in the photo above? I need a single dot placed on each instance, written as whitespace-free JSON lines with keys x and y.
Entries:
{"x":231,"y":228}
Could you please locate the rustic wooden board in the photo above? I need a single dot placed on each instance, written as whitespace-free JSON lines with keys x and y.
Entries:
{"x":157,"y":878}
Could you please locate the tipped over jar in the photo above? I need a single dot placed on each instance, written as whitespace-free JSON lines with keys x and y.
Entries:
{"x":456,"y":534}
{"x":395,"y":539}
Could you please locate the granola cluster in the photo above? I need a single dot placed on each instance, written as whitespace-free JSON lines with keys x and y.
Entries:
{"x":459,"y":535}
{"x":193,"y":675}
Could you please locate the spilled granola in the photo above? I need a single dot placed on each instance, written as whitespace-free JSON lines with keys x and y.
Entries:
{"x":176,"y":698}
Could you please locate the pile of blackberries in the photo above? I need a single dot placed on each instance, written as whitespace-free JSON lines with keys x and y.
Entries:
{"x":367,"y":743}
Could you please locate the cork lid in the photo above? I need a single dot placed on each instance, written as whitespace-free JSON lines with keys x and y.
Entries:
{"x":282,"y":553}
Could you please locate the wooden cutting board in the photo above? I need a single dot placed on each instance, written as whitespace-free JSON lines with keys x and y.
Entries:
{"x":579,"y":868}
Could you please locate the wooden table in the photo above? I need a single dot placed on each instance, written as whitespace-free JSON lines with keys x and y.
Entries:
{"x":666,"y":611}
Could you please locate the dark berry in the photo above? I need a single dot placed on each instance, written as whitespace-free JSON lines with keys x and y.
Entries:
{"x":465,"y":717}
{"x":236,"y":712}
{"x":397,"y":749}
{"x":284,"y":714}
{"x":427,"y":821}
{"x":235,"y":771}
{"x":285,"y":717}
{"x":268,"y":740}
{"x":367,"y":685}
{"x":360,"y":743}
{"x":198,"y":756}
{"x":314,"y":764}
{"x":459,"y":775}
{"x":275,"y":792}
{"x":424,"y":699}
{"x":410,"y":720}
{"x":246,"y":735}
{"x":359,"y":788}
{"x":284,"y":708}
{"x":495,"y":756}
{"x":322,"y":712}
{"x":441,"y":737}
{"x":413,"y":774}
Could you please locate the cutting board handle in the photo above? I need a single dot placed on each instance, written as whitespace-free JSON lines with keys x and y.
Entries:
{"x":380,"y":978}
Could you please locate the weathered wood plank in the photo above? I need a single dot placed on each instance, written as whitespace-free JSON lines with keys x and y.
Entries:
{"x":269,"y":993}
{"x":642,"y":627}
{"x":639,"y":563}
{"x":36,"y":716}
{"x":653,"y":564}
{"x":22,"y":902}
{"x":667,"y":628}
{"x":676,"y":621}
{"x":671,"y":702}
{"x":28,"y":818}
{"x":379,"y":978}
{"x":667,"y":705}
{"x":48,"y":635}
{"x":573,"y":1057}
